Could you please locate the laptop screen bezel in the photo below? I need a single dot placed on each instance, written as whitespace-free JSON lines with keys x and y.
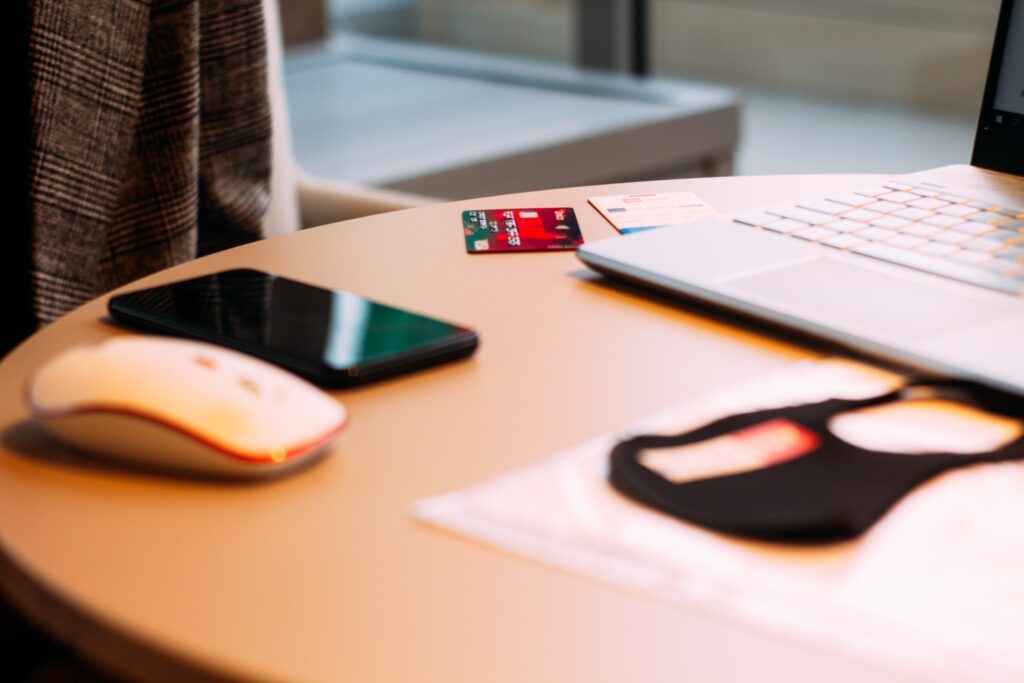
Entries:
{"x":999,"y":145}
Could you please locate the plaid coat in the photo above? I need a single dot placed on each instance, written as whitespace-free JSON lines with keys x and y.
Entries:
{"x":149,"y":140}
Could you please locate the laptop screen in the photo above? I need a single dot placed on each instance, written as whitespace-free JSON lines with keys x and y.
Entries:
{"x":1010,"y":86}
{"x":999,"y":144}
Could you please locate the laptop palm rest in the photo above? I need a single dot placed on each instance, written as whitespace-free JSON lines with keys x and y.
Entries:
{"x":844,"y":296}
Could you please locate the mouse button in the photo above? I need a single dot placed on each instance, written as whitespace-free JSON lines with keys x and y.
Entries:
{"x":281,"y":431}
{"x":52,"y":387}
{"x":312,"y":413}
{"x":296,"y":394}
{"x":78,"y":378}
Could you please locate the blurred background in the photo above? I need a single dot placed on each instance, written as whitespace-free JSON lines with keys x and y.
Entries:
{"x":460,"y":98}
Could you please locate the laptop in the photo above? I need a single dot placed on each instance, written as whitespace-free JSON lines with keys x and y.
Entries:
{"x":926,"y":270}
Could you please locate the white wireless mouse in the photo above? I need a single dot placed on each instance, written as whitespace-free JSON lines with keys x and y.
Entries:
{"x":183,"y":406}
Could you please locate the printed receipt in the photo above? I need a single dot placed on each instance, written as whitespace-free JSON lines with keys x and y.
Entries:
{"x":636,"y":212}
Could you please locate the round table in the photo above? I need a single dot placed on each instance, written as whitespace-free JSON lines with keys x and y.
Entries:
{"x":325,"y":576}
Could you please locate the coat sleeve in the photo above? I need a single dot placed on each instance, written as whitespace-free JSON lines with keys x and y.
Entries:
{"x":149,"y":140}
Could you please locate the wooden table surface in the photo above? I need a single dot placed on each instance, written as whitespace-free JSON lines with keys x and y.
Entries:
{"x":325,"y":576}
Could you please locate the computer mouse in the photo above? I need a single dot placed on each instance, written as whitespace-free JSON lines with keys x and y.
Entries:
{"x":183,"y":406}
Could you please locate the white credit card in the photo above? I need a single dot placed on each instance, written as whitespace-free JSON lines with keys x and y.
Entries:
{"x":646,"y":211}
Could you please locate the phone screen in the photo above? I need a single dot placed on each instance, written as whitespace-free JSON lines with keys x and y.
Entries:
{"x":317,"y":332}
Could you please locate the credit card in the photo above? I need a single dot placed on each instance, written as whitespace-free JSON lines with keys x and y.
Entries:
{"x":502,"y":230}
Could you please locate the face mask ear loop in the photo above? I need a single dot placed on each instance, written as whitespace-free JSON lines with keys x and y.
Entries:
{"x":968,"y":393}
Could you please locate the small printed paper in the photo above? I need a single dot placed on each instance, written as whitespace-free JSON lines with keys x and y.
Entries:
{"x":638,"y":212}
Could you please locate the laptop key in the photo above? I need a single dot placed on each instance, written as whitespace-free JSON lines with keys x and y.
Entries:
{"x":785,"y":226}
{"x":1007,"y":237}
{"x":1001,"y":267}
{"x":1011,"y":254}
{"x":873,"y":191}
{"x":943,"y":221}
{"x":912,"y":214}
{"x":969,"y":258}
{"x":958,"y":210}
{"x":813,"y":234}
{"x":876,"y":234}
{"x":825,"y":206}
{"x":802,"y":215}
{"x":755,"y":219}
{"x":982,"y":244}
{"x":844,"y":225}
{"x":843,"y":241}
{"x":900,"y":197}
{"x":901,"y":187}
{"x":989,"y":217}
{"x":851,"y":199}
{"x":906,"y":242}
{"x":970,"y":228}
{"x":950,"y":237}
{"x":928,"y":203}
{"x":915,"y":259}
{"x":883,"y":207}
{"x":860,"y":215}
{"x":920,"y":230}
{"x":938,"y":249}
{"x":890,"y":222}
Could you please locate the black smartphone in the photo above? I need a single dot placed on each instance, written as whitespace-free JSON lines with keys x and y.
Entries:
{"x":332,"y":338}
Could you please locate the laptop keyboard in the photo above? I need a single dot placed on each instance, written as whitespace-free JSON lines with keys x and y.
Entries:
{"x":912,"y":225}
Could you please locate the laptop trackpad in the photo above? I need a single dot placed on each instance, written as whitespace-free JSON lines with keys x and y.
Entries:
{"x":847,"y":297}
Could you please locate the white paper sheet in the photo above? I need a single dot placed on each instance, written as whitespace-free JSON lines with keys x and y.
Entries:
{"x":935,"y":588}
{"x":638,"y":212}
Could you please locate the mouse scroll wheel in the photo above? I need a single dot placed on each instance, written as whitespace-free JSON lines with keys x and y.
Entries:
{"x":204,"y":362}
{"x":250,"y":386}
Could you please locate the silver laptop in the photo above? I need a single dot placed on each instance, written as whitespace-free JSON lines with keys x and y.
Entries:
{"x":926,"y":270}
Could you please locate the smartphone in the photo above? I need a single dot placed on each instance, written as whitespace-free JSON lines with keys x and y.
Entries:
{"x":332,"y":338}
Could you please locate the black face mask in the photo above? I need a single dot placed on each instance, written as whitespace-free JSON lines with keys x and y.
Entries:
{"x":831,"y":491}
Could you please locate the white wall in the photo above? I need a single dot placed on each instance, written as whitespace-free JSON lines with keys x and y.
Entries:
{"x":922,"y":52}
{"x":541,"y":29}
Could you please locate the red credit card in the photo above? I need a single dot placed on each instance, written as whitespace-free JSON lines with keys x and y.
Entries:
{"x":520,"y":230}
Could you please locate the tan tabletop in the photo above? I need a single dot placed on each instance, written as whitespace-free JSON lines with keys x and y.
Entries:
{"x":325,"y":576}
